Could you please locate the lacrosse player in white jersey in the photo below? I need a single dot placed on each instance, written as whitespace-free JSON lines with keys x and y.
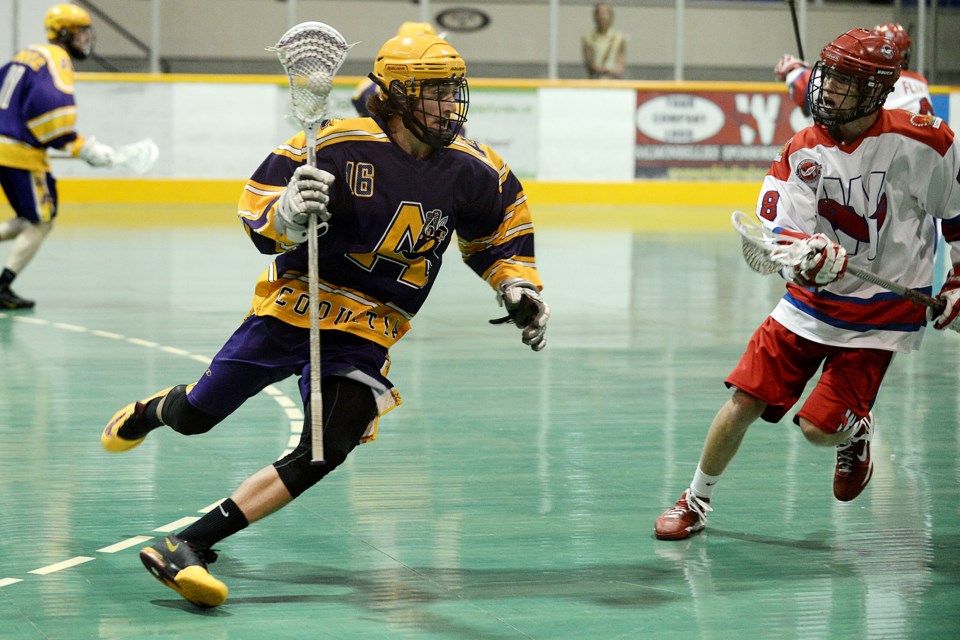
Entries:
{"x":911,"y":90}
{"x":864,"y":185}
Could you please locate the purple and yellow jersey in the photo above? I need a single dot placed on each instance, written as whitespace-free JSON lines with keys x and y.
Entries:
{"x":392,"y":217}
{"x":37,"y":109}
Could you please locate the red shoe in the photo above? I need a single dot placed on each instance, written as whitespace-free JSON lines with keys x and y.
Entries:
{"x":854,"y":466}
{"x":684,"y":519}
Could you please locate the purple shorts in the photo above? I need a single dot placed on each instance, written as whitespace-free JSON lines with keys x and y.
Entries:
{"x":32,"y":194}
{"x":264,"y":350}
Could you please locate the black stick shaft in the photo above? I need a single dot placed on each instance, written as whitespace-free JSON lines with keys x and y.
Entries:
{"x":796,"y":27}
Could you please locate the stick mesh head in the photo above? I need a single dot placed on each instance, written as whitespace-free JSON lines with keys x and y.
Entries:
{"x":764,"y":251}
{"x":311,"y":53}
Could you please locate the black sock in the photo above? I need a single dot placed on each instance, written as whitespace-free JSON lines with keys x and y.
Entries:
{"x":6,"y":279}
{"x":223,"y":520}
{"x":150,"y":414}
{"x":147,"y":423}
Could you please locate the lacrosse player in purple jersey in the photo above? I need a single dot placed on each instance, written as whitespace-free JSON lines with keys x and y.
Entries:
{"x":863,"y":186}
{"x":38,"y":112}
{"x":390,"y":191}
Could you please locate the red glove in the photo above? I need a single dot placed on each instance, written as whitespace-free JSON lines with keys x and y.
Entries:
{"x":826,"y":262}
{"x":787,"y":64}
{"x":950,"y":296}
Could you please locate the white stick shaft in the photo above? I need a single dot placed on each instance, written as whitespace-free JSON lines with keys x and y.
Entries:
{"x":313,"y":290}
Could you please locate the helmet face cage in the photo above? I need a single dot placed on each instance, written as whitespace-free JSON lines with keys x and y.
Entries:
{"x":852,"y":79}
{"x":434,"y":110}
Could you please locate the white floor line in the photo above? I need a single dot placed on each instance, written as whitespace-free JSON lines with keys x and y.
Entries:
{"x":60,"y":566}
{"x":278,"y":396}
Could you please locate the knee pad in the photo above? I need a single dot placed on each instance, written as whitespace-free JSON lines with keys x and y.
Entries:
{"x":348,"y":408}
{"x":182,"y":416}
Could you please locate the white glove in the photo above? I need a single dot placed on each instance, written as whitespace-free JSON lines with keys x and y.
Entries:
{"x":825,"y":262}
{"x":96,"y":154}
{"x":526,"y":309}
{"x":787,"y":64}
{"x":950,"y":296}
{"x":306,"y":195}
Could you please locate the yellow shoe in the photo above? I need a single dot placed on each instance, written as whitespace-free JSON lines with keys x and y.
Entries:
{"x":183,"y":568}
{"x":111,"y":439}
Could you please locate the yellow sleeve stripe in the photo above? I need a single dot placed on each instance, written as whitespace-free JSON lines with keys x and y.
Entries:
{"x":53,"y":124}
{"x":261,"y":189}
{"x":459,"y":145}
{"x":522,"y":267}
{"x":352,"y":135}
{"x":516,"y":222}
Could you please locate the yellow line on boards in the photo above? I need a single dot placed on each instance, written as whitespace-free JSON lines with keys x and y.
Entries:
{"x":642,"y":205}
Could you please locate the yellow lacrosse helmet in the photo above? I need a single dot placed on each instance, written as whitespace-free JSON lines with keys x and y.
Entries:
{"x":65,"y":17}
{"x":416,"y":29}
{"x":406,"y":65}
{"x":410,"y":60}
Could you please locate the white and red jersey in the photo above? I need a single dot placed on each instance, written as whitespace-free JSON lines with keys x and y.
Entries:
{"x":880,"y":198}
{"x":910,"y":92}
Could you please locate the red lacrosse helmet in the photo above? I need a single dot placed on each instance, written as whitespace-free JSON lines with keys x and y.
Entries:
{"x":898,"y":36}
{"x":864,"y":66}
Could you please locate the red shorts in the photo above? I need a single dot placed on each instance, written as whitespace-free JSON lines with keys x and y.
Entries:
{"x":778,"y":364}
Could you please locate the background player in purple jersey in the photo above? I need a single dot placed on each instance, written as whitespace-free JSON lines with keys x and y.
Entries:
{"x":864,"y":185}
{"x":390,"y":191}
{"x":38,"y":112}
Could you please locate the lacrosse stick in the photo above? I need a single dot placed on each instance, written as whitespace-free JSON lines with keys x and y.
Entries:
{"x":767,"y":252}
{"x":796,"y":27}
{"x":311,"y":53}
{"x":139,"y":157}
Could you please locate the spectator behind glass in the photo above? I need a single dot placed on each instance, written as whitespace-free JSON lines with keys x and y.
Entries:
{"x":604,"y":49}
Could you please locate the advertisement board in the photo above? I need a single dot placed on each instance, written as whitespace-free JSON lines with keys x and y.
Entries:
{"x":702,"y":135}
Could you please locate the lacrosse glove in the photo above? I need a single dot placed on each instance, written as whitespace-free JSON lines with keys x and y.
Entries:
{"x":96,"y":154}
{"x":950,"y":296}
{"x":526,"y":309}
{"x":825,"y":262}
{"x":787,"y":64}
{"x":306,"y":194}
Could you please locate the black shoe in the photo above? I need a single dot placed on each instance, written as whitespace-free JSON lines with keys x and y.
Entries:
{"x":10,"y":300}
{"x":183,"y":567}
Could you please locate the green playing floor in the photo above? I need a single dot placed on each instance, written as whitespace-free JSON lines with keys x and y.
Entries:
{"x":512,"y":496}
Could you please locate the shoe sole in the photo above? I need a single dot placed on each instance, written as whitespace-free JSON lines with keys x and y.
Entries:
{"x":682,"y":534}
{"x":194,"y":584}
{"x":110,"y":440}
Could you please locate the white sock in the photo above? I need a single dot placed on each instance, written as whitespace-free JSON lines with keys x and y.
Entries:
{"x":702,"y":485}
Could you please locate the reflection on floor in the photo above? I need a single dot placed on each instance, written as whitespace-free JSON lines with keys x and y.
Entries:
{"x":511,"y":496}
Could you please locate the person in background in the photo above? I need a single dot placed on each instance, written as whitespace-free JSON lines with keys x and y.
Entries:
{"x":37,"y":113}
{"x":366,"y":87}
{"x":866,"y":186}
{"x":391,"y":192}
{"x":911,"y":91}
{"x":604,"y":48}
